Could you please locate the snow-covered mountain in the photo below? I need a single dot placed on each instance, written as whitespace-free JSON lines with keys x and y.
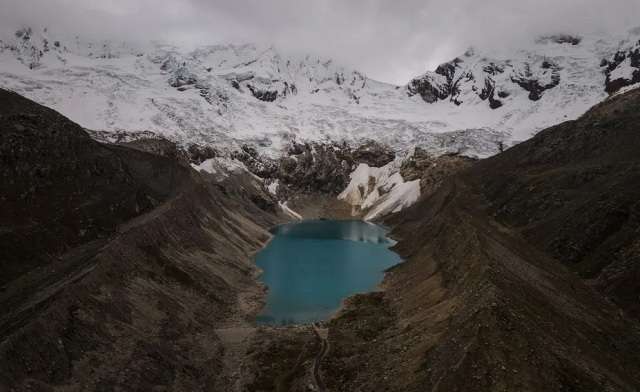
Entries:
{"x":556,"y":78}
{"x":235,"y":94}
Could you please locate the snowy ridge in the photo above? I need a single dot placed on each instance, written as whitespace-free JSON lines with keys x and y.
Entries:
{"x":229,"y":95}
{"x":554,"y":79}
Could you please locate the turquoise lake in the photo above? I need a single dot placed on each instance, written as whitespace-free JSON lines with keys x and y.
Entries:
{"x":311,"y":266}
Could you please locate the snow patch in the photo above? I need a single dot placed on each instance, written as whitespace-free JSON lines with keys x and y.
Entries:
{"x":623,"y":71}
{"x":273,"y":187}
{"x":401,"y":196}
{"x":289,"y":211}
{"x":221,"y":166}
{"x":380,"y":190}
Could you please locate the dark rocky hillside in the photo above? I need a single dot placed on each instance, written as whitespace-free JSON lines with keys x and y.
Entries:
{"x":488,"y":298}
{"x":574,"y":190}
{"x":117,"y":265}
{"x":60,"y":188}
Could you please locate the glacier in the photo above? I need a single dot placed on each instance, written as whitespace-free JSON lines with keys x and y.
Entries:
{"x":230,"y":95}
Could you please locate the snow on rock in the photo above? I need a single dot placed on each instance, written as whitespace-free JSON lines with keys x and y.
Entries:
{"x":627,"y":89}
{"x":273,"y":187}
{"x":221,"y":166}
{"x":624,"y":70}
{"x":380,"y":190}
{"x":401,"y":196}
{"x":362,"y":190}
{"x":230,"y":95}
{"x":523,"y":91}
{"x":289,"y":211}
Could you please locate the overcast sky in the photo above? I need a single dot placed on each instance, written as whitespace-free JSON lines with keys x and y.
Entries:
{"x":389,"y":40}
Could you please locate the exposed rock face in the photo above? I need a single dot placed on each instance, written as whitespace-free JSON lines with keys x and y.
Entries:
{"x":623,"y":69}
{"x":316,"y":167}
{"x":451,"y":80}
{"x":538,"y":84}
{"x":117,"y":264}
{"x":489,"y":92}
{"x":373,"y":154}
{"x":198,"y":154}
{"x":267,"y":90}
{"x":432,"y":171}
{"x":431,"y":87}
{"x":472,"y":77}
{"x":313,"y":167}
{"x":332,"y":169}
{"x":259,"y":165}
{"x":263,"y":95}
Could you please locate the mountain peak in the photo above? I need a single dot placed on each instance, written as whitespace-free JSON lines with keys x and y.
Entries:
{"x":234,"y":94}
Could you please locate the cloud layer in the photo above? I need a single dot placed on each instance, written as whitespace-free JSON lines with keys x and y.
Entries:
{"x":388,"y":40}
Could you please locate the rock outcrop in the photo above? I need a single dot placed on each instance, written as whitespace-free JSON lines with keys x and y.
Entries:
{"x":537,"y":82}
{"x":373,"y":154}
{"x":313,"y":168}
{"x":432,"y":87}
{"x":316,"y":167}
{"x":432,"y":171}
{"x":623,"y":69}
{"x":467,"y":77}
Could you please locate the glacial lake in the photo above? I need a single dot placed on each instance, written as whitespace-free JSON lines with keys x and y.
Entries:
{"x":311,"y":266}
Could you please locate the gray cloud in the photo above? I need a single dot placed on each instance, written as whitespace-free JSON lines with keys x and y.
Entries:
{"x":388,"y":40}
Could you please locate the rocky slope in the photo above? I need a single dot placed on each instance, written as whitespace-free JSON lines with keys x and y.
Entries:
{"x":232,"y":95}
{"x":574,"y":190}
{"x":484,"y":297}
{"x":61,"y":189}
{"x":118,"y":264}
